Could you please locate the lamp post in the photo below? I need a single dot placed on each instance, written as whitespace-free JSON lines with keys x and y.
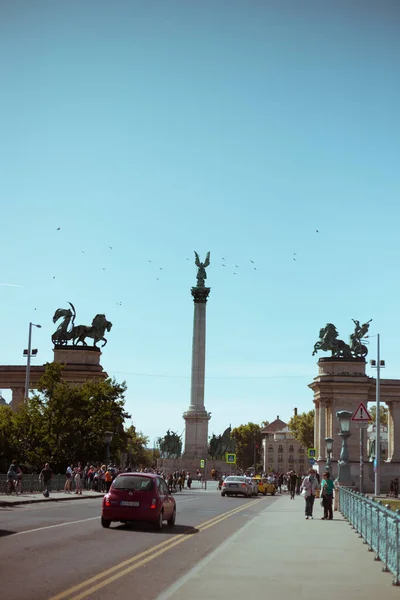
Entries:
{"x":28,"y":359}
{"x":344,"y":475}
{"x":329,"y":448}
{"x":108,"y":436}
{"x":378,"y":364}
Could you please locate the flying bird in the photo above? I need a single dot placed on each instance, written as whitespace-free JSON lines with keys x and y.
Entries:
{"x":222,"y":258}
{"x":234,"y":273}
{"x":317,"y":230}
{"x":110,"y":247}
{"x":83,"y":252}
{"x":224,"y":265}
{"x":54,"y":277}
{"x":252,"y":261}
{"x":237,"y":266}
{"x":104,"y":268}
{"x":58,"y":228}
{"x":149,"y":261}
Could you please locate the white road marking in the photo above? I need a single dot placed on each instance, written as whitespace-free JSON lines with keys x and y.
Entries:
{"x":58,"y":525}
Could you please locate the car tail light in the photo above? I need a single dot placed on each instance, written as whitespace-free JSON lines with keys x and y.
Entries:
{"x":153,"y":503}
{"x":224,"y":484}
{"x":107,"y":501}
{"x":244,"y":485}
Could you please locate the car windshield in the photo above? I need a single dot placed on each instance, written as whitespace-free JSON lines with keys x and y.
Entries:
{"x":133,"y":482}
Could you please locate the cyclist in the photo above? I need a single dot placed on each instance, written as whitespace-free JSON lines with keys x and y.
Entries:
{"x":14,"y":473}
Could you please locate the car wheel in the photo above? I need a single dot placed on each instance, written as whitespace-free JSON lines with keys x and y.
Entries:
{"x":264,"y":493}
{"x":159,"y":523}
{"x":105,"y":522}
{"x":222,"y":494}
{"x":171,"y":521}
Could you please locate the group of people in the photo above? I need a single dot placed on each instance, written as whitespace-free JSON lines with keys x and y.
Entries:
{"x":313,"y":486}
{"x":96,"y":478}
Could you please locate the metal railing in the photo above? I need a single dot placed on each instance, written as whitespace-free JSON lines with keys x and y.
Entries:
{"x":31,"y":484}
{"x":377,"y":525}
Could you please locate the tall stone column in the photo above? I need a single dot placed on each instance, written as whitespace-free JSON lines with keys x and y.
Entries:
{"x":17,"y":399}
{"x":196,"y":417}
{"x":316,"y":425}
{"x":321,"y":432}
{"x":394,"y":432}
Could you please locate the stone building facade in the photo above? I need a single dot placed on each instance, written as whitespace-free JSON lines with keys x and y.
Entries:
{"x":281,"y":451}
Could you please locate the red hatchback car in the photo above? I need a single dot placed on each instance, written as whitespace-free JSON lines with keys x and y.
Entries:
{"x":138,"y":497}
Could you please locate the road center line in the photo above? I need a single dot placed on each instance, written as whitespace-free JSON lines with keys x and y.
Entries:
{"x":52,"y":526}
{"x":139,"y":560}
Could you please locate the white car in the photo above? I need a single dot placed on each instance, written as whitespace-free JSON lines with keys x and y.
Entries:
{"x":253,"y":485}
{"x":236,"y":485}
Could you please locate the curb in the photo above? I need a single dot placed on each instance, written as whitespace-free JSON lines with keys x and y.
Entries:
{"x":4,"y":503}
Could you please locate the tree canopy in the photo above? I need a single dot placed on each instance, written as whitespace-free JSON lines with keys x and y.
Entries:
{"x":248,"y":438}
{"x":302,"y":426}
{"x":383,"y":413}
{"x":64,"y":424}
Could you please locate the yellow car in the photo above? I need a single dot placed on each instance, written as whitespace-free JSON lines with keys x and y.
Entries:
{"x":264,"y":487}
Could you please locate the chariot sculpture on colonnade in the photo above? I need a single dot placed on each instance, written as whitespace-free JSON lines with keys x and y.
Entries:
{"x":67,"y":331}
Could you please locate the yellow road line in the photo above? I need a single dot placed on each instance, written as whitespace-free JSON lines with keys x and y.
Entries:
{"x":142,"y":558}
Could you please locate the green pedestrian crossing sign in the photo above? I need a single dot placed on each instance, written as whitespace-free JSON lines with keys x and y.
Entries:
{"x":230,"y":458}
{"x":312,"y":453}
{"x":202,"y":464}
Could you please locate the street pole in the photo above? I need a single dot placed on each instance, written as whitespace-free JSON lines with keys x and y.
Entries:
{"x":378,"y":422}
{"x":205,"y":474}
{"x":255,"y":449}
{"x":361,"y":459}
{"x":28,"y":363}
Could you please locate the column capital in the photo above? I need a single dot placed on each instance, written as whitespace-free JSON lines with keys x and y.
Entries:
{"x":200,"y":294}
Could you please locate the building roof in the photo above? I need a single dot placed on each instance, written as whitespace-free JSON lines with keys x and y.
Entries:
{"x":276,"y":425}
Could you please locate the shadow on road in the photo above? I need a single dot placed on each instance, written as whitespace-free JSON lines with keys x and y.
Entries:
{"x":5,"y":532}
{"x":149,"y":528}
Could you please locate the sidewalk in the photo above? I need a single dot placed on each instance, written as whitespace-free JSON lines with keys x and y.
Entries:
{"x":27,"y":498}
{"x":282,"y":555}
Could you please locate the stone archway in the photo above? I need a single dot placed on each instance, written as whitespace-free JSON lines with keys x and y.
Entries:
{"x":81,"y":364}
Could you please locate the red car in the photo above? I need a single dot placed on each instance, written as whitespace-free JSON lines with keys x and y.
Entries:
{"x":138,"y":497}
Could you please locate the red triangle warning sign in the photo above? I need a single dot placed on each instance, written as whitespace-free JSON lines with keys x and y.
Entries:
{"x":361,"y":414}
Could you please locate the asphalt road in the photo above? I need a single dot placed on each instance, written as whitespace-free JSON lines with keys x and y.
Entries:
{"x":59,"y":551}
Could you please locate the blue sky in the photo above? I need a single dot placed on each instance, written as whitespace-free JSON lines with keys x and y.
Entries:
{"x":160,"y":128}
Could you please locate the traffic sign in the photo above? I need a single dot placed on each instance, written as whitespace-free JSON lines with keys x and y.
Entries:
{"x":312,"y":461}
{"x":361,"y":424}
{"x":361,"y":415}
{"x":312,"y":453}
{"x":230,"y":458}
{"x":202,"y":464}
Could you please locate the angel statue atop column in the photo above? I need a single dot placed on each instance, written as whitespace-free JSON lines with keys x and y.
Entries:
{"x":201,"y":272}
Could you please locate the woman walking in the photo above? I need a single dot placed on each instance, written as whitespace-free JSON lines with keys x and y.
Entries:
{"x":308,"y":490}
{"x":327,"y":487}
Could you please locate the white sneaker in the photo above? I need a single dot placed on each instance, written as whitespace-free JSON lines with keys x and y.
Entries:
{"x":306,"y":518}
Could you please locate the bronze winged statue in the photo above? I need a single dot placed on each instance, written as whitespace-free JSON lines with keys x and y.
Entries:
{"x":201,"y":268}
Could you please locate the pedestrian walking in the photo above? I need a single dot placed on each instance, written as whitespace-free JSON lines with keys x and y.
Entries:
{"x":327,"y":488}
{"x":292,"y":484}
{"x":45,"y":479}
{"x":308,"y":490}
{"x":77,"y":479}
{"x":68,"y":480}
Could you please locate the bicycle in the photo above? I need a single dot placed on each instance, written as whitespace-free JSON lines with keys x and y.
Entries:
{"x":14,"y":486}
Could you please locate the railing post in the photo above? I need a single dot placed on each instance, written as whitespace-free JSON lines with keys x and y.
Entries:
{"x":396,"y":580}
{"x":385,"y":568}
{"x":377,"y":549}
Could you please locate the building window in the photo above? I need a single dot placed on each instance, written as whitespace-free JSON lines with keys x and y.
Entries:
{"x":280,"y":449}
{"x":291,"y":459}
{"x":270,"y":448}
{"x":301,"y":460}
{"x":291,"y":448}
{"x":280,"y":458}
{"x":301,"y":450}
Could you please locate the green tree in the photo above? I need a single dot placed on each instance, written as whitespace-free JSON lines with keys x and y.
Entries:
{"x":8,"y":441}
{"x":248,"y":439}
{"x":383,"y":413}
{"x":138,"y":454}
{"x":63,"y":424}
{"x":302,"y":426}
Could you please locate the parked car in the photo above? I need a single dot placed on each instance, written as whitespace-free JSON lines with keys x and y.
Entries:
{"x":138,"y":497}
{"x":253,"y":485}
{"x":236,"y":485}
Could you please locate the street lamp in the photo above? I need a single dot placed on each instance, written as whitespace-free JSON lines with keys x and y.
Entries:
{"x":329,"y":448}
{"x":344,"y":475}
{"x":28,"y":359}
{"x":108,"y":436}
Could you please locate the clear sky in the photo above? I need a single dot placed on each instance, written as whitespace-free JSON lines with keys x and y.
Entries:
{"x":159,"y":128}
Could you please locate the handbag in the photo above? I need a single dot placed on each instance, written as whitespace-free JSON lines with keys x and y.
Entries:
{"x":304,"y":493}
